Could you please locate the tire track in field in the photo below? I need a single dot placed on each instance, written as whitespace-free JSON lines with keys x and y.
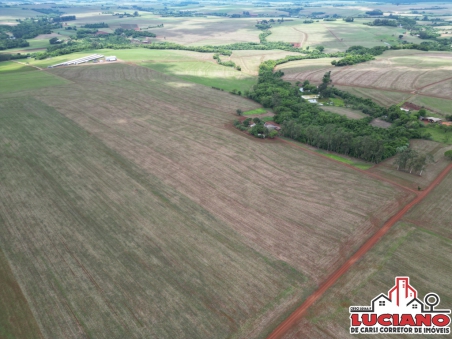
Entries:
{"x":287,"y":324}
{"x":337,"y":38}
{"x":416,"y":78}
{"x":304,"y":36}
{"x":433,"y":83}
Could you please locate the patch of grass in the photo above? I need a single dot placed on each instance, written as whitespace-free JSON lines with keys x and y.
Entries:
{"x":358,"y":164}
{"x":14,"y":67}
{"x":256,"y":111}
{"x":442,"y":106}
{"x":265,"y":119}
{"x":206,"y":73}
{"x":13,"y":82}
{"x":337,"y":102}
{"x":438,"y":134}
{"x":34,"y":44}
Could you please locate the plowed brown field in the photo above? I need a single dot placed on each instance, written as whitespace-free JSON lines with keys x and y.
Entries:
{"x":130,"y":205}
{"x":426,"y":73}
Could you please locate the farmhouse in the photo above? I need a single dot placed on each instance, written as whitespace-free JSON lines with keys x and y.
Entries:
{"x":272,"y":126}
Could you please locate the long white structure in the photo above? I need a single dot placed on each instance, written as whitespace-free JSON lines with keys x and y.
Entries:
{"x":80,"y":60}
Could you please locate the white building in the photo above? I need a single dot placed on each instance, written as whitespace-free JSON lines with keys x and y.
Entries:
{"x":110,"y":58}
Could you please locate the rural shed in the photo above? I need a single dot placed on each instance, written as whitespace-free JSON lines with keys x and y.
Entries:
{"x":110,"y":58}
{"x":272,"y":125}
{"x":431,"y":119}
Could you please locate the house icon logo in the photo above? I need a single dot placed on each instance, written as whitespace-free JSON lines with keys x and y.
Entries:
{"x":401,"y":312}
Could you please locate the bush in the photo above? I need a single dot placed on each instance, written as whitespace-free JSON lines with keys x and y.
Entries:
{"x":448,"y":154}
{"x":272,"y":134}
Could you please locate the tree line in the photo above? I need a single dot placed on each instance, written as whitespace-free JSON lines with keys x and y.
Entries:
{"x":308,"y":123}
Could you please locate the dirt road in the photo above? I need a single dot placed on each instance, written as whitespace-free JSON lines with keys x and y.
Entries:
{"x":300,"y":311}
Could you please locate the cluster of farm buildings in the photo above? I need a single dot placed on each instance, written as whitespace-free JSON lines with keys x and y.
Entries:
{"x":89,"y":58}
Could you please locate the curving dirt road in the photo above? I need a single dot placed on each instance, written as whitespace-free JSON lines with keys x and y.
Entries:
{"x":300,"y":311}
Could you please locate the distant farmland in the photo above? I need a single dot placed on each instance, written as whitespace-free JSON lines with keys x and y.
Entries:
{"x":392,"y":78}
{"x":131,"y":207}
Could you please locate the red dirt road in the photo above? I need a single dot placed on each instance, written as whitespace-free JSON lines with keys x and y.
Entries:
{"x":284,"y":327}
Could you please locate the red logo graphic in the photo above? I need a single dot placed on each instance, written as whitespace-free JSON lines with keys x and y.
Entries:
{"x":400,"y":312}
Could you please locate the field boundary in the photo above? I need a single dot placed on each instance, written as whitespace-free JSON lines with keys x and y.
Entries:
{"x":331,"y":280}
{"x":376,"y":176}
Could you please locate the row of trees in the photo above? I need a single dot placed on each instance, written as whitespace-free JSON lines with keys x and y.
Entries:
{"x":352,"y":59}
{"x":410,"y":160}
{"x":133,"y":33}
{"x":96,"y":25}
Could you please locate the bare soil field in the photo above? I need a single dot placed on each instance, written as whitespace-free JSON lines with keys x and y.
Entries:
{"x":349,"y":113}
{"x":426,"y":73}
{"x":106,"y":250}
{"x":105,"y":209}
{"x":434,"y":214}
{"x":384,"y":98}
{"x":406,"y":250}
{"x":388,"y":170}
{"x":16,"y":319}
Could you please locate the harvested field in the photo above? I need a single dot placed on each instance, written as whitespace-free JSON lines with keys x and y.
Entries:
{"x":434,"y":214}
{"x":104,"y":248}
{"x":124,"y":218}
{"x":426,"y":73}
{"x":211,"y":121}
{"x":384,"y":98}
{"x":16,"y":319}
{"x":388,"y":170}
{"x":406,"y":250}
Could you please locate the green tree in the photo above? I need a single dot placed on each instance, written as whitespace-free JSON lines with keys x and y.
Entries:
{"x":272,"y":134}
{"x":448,"y":154}
{"x":239,"y":112}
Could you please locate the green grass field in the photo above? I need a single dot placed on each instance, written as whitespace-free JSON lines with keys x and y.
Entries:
{"x":350,"y":161}
{"x":255,"y":111}
{"x":24,"y":81}
{"x":34,"y":44}
{"x":335,"y":35}
{"x":439,"y":135}
{"x":442,"y":106}
{"x":195,"y":67}
{"x":14,"y":67}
